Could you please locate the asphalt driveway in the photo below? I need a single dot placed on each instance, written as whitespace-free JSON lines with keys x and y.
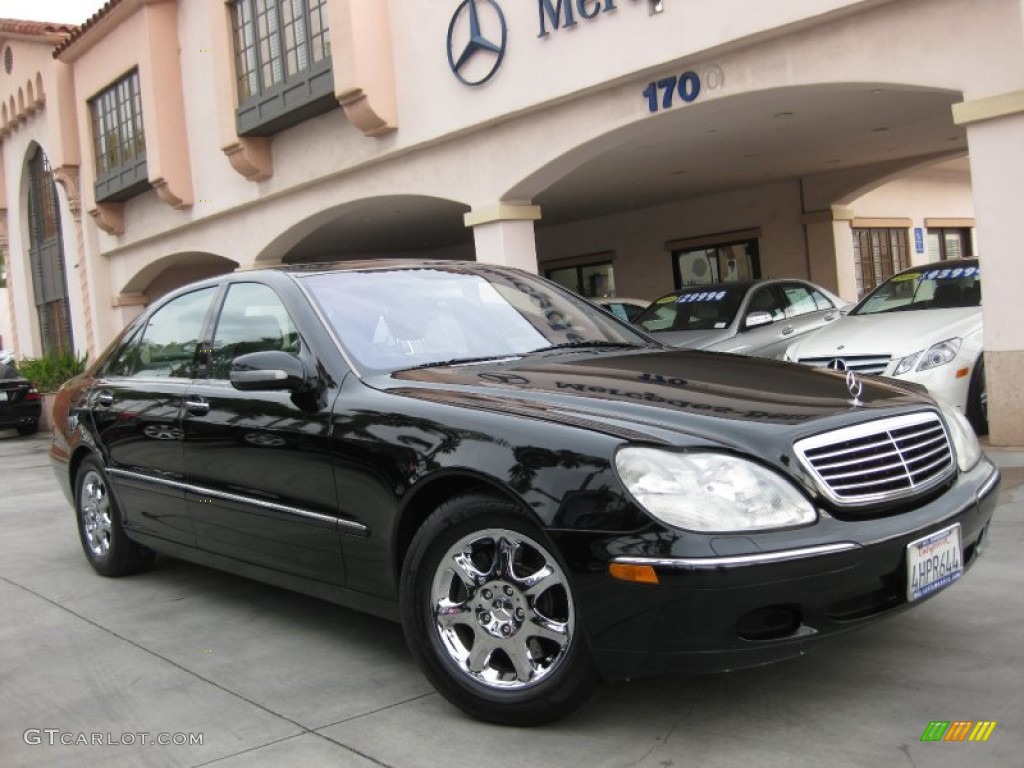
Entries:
{"x":94,"y":671}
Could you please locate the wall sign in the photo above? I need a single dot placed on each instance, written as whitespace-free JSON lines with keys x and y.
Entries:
{"x":477,"y":36}
{"x":686,"y":86}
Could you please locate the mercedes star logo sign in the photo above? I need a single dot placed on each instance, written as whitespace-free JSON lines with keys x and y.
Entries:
{"x":836,"y":364}
{"x":855,"y":386}
{"x":474,"y":56}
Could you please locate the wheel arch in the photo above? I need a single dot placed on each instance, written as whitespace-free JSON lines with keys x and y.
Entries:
{"x":80,"y":454}
{"x":430,"y":494}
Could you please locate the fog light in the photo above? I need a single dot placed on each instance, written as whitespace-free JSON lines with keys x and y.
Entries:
{"x":769,"y":623}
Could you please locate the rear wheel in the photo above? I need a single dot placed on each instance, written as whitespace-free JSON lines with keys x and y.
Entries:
{"x":977,"y":399}
{"x":28,"y":429}
{"x":109,"y":550}
{"x":490,"y":616}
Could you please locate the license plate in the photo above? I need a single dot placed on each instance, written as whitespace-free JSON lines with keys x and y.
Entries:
{"x":934,"y":562}
{"x":3,"y":396}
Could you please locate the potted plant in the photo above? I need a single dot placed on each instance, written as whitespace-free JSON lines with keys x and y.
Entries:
{"x":48,"y":373}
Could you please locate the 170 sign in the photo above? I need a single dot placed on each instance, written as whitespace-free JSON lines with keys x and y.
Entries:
{"x":686,"y":86}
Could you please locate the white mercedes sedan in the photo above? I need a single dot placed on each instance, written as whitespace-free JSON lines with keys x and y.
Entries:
{"x":922,"y":325}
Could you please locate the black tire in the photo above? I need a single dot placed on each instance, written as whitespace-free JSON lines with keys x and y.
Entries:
{"x":532,"y":665}
{"x":977,"y":399}
{"x":107,"y":548}
{"x":28,"y":429}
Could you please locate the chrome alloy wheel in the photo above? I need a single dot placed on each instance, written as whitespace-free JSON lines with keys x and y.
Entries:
{"x":502,"y":609}
{"x":96,"y":514}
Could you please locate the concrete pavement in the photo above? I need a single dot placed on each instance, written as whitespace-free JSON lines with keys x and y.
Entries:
{"x":267,"y":678}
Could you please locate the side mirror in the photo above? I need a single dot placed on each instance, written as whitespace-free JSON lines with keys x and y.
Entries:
{"x":272,"y":370}
{"x":757,"y":319}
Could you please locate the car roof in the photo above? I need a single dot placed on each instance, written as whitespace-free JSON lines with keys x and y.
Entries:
{"x":377,"y":264}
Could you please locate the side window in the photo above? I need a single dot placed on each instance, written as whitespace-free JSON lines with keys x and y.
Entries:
{"x":253,"y":319}
{"x":822,"y":300}
{"x":800,"y":300}
{"x":166,"y":345}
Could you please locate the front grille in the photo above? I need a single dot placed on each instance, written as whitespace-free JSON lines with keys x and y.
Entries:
{"x":858,"y":363}
{"x":880,"y":461}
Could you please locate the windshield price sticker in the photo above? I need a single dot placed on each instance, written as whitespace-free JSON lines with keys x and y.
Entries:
{"x":934,"y":562}
{"x":942,"y":274}
{"x":705,"y":296}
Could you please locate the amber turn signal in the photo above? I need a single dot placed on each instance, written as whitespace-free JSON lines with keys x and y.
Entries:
{"x":643,"y":574}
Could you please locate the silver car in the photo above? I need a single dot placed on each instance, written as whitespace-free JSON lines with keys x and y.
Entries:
{"x":760,"y":317}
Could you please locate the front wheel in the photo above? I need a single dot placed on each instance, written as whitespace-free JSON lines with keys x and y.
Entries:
{"x":109,"y":550}
{"x":490,"y":617}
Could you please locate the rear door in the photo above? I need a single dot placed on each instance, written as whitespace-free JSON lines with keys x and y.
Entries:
{"x":136,"y":406}
{"x":261,"y":483}
{"x":808,"y":309}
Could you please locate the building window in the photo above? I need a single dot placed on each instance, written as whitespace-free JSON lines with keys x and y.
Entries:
{"x":716,"y":263}
{"x":119,"y":141}
{"x":878,"y":255}
{"x":46,"y":255}
{"x":590,"y":280}
{"x":282,"y":63}
{"x":949,"y":243}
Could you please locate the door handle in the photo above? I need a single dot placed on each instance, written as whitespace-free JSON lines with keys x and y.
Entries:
{"x":788,"y":330}
{"x":105,"y":398}
{"x":197,"y":406}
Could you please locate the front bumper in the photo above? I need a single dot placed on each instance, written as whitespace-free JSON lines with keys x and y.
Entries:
{"x":740,"y":609}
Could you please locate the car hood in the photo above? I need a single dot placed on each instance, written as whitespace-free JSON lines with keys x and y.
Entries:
{"x":693,"y":339}
{"x":893,"y":333}
{"x":654,"y":395}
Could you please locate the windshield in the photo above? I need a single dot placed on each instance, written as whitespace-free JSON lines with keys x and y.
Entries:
{"x":393,"y":319}
{"x":703,"y":308}
{"x":927,"y":288}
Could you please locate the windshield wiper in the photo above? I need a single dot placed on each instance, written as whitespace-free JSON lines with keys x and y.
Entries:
{"x":590,"y":343}
{"x":462,"y":361}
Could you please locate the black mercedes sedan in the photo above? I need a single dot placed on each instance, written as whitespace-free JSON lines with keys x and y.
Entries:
{"x":542,"y":494}
{"x":20,"y":402}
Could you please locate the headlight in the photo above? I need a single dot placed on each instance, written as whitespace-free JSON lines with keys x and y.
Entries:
{"x":906,"y":364}
{"x":933,"y":357}
{"x":711,"y":491}
{"x":965,"y":442}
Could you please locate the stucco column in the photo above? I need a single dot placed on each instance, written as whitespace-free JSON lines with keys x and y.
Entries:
{"x":828,"y":232}
{"x":995,"y":126}
{"x":504,"y":235}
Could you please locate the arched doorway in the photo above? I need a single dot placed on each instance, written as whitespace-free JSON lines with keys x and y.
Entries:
{"x":46,"y":255}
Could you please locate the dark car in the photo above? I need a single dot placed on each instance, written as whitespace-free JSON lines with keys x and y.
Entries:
{"x":20,"y":402}
{"x":758,"y":317}
{"x":539,"y":492}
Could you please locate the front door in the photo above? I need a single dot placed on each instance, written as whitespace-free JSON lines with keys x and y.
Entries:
{"x":262,"y":489}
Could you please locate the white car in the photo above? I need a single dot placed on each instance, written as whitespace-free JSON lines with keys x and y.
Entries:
{"x":922,"y":325}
